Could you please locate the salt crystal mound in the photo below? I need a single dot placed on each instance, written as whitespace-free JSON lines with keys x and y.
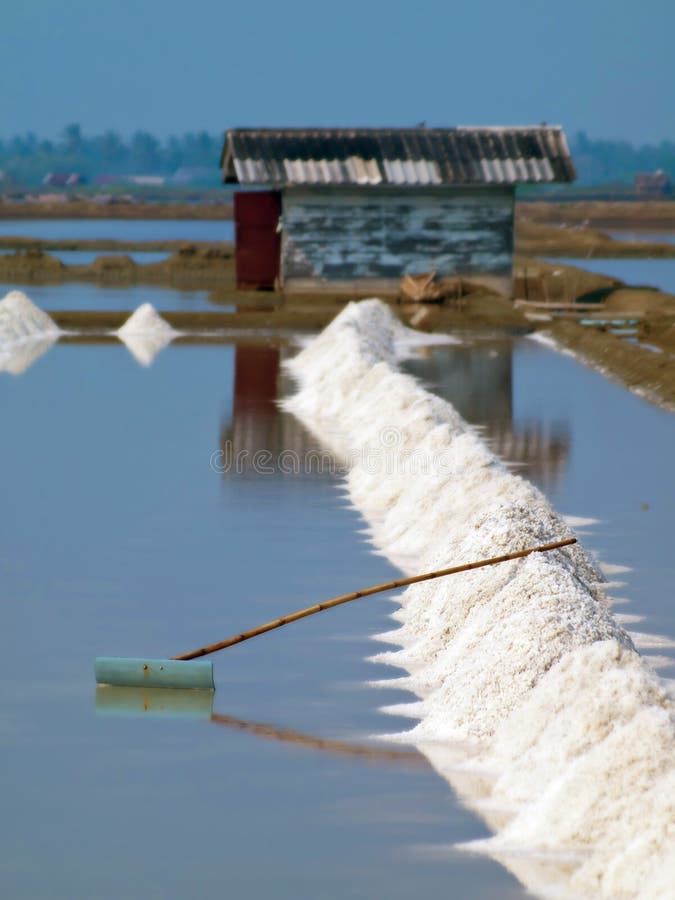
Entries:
{"x":533,"y":702}
{"x":26,"y":332}
{"x":145,"y":333}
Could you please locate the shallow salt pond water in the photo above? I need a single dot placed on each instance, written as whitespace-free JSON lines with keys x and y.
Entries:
{"x":656,"y":273}
{"x":82,"y":295}
{"x":659,"y":237}
{"x":122,"y":534}
{"x":120,"y":229}
{"x":86,"y":257}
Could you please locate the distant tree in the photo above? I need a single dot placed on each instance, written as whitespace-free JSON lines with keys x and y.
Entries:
{"x":172,"y":157}
{"x":72,"y":140}
{"x":145,"y":156}
{"x":109,"y":150}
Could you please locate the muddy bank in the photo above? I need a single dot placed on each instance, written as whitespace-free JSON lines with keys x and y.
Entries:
{"x":639,"y":368}
{"x":541,"y":239}
{"x":534,"y":279}
{"x":652,"y":214}
{"x":302,"y":314}
{"x":190,"y":265}
{"x":579,"y":289}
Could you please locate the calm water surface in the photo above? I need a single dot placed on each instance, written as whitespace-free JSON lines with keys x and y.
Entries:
{"x":657,"y":273}
{"x":660,"y":237}
{"x":86,"y":257}
{"x":83,"y":295}
{"x":119,"y":537}
{"x":120,"y":229}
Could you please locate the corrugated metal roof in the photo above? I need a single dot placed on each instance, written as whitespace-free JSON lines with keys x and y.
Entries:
{"x":397,"y":156}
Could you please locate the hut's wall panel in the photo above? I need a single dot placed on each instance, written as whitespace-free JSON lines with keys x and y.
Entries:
{"x":381,"y":233}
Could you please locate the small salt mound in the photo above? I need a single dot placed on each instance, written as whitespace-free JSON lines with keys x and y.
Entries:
{"x":21,"y":319}
{"x":26,"y":332}
{"x":571,"y":735}
{"x":145,"y":333}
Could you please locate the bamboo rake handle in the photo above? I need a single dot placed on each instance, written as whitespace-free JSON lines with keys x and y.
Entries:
{"x":366,"y":592}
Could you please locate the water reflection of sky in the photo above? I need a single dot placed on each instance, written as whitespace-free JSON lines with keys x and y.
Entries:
{"x":83,"y":295}
{"x":86,"y":257}
{"x":121,"y":538}
{"x":658,"y":273}
{"x":120,"y":229}
{"x":658,"y":237}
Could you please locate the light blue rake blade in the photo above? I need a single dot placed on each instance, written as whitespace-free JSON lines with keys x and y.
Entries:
{"x":195,"y":675}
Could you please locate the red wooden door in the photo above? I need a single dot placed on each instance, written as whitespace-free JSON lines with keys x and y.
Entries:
{"x":258,"y":241}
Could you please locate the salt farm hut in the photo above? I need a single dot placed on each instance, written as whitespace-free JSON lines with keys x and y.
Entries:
{"x":356,"y":209}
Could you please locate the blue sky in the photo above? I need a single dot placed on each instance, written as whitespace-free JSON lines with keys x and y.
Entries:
{"x":605,"y":66}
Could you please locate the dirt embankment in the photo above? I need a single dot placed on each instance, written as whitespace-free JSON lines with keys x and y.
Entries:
{"x":578,"y":289}
{"x":209,"y":266}
{"x":657,"y":215}
{"x":541,"y":239}
{"x":646,"y":364}
{"x":281,"y":314}
{"x":545,"y":282}
{"x":650,"y":373}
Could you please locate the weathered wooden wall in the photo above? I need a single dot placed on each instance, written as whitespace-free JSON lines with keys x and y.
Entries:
{"x":331,"y":235}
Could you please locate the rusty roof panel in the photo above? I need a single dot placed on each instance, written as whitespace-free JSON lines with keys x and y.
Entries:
{"x":397,"y":156}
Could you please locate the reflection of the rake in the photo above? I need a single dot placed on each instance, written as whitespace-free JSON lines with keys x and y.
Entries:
{"x":325,"y":745}
{"x":198,"y":704}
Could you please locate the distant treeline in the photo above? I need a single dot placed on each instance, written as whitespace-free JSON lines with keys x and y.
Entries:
{"x":601,"y":162}
{"x":25,"y":160}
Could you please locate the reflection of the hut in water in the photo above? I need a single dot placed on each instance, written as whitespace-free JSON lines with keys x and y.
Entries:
{"x":260,"y":437}
{"x":476,"y":379}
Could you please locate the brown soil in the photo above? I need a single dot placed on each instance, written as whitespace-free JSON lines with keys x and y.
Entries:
{"x":639,"y":368}
{"x":306,"y":313}
{"x":640,"y":215}
{"x":538,"y":239}
{"x":659,"y":331}
{"x":207,"y":266}
{"x":547,"y":282}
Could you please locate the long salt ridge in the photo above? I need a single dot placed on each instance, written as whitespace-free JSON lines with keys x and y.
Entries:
{"x":533,"y":702}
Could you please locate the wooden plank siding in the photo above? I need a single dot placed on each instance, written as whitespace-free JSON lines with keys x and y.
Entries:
{"x":340,"y":237}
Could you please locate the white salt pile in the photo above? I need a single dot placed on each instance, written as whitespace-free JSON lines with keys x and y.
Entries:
{"x":26,"y":332}
{"x":145,"y":333}
{"x":533,"y":701}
